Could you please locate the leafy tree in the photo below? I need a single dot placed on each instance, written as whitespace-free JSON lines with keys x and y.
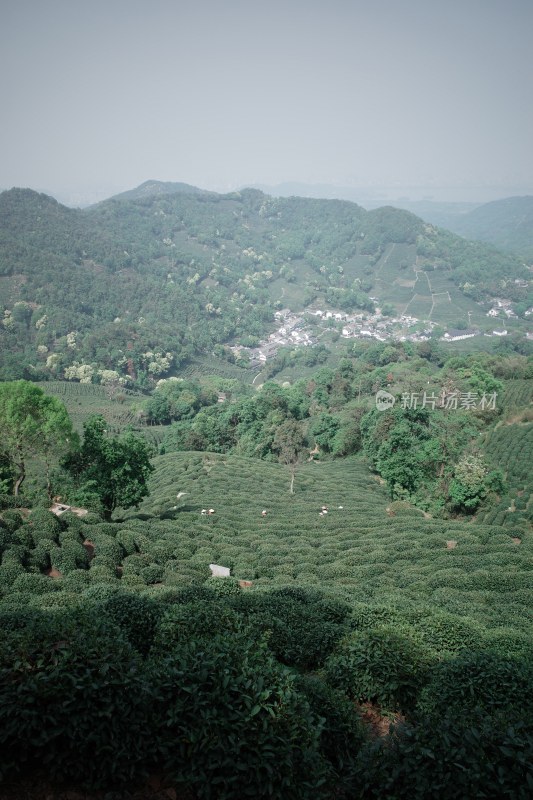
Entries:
{"x":33,"y":424}
{"x":324,"y":430}
{"x":289,"y":443}
{"x":115,"y":469}
{"x":472,"y":482}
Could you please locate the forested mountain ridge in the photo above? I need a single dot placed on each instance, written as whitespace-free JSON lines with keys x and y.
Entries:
{"x":139,"y":286}
{"x":507,"y":224}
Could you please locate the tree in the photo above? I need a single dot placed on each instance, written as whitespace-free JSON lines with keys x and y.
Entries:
{"x":33,"y":424}
{"x":324,"y":429}
{"x":472,"y":482}
{"x":289,"y":443}
{"x":115,"y":469}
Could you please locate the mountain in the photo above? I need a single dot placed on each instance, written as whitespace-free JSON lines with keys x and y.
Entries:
{"x":507,"y":224}
{"x":165,"y":274}
{"x":154,"y":188}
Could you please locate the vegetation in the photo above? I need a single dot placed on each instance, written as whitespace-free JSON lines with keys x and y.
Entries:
{"x":374,"y":636}
{"x":33,"y":424}
{"x":507,"y":224}
{"x":115,"y":470}
{"x":132,"y":289}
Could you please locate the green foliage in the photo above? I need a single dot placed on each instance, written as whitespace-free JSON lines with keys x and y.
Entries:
{"x":118,"y":289}
{"x":343,"y":732}
{"x":479,"y":680}
{"x":472,"y":482}
{"x":302,"y":626}
{"x":73,"y":698}
{"x":231,"y":720}
{"x":44,"y":525}
{"x":451,"y":757}
{"x":34,"y":425}
{"x":136,"y":616}
{"x":381,"y":665}
{"x":116,"y":469}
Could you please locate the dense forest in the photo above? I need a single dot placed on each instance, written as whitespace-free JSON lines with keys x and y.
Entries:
{"x":312,"y":585}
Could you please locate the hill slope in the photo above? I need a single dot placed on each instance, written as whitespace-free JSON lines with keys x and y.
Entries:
{"x":507,"y":224}
{"x":130,"y":282}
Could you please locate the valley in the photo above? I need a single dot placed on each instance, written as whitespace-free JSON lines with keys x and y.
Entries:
{"x":265,"y":489}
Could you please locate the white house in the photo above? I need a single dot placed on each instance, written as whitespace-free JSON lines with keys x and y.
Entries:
{"x":455,"y":335}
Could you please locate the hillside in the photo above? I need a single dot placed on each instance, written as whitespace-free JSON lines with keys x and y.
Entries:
{"x":139,"y":287}
{"x":507,"y":224}
{"x":130,"y":670}
{"x":117,"y":642}
{"x":155,"y":188}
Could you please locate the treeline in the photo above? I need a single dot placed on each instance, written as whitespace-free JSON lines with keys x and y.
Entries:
{"x":102,"y":471}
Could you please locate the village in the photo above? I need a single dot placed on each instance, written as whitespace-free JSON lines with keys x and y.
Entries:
{"x":306,"y":328}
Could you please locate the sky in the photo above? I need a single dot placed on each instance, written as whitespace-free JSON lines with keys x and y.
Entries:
{"x":97,"y":97}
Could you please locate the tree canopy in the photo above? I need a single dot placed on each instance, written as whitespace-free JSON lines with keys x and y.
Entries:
{"x":114,"y":469}
{"x":33,"y":425}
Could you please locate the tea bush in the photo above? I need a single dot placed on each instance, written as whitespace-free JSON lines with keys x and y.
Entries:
{"x":479,"y":680}
{"x":451,"y":758}
{"x":379,"y":665}
{"x":230,"y":721}
{"x":74,"y":699}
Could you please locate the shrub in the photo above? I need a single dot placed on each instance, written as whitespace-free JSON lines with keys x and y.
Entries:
{"x":76,"y":581}
{"x":9,"y":572}
{"x":12,"y":519}
{"x":343,"y":732}
{"x":136,"y":616}
{"x":223,"y":586}
{"x":34,"y":583}
{"x":482,"y":680}
{"x":126,"y":539}
{"x":379,"y":665}
{"x":133,"y":564}
{"x":39,"y":557}
{"x":302,"y":627}
{"x":132,"y":581}
{"x":445,"y":632}
{"x":451,"y":758}
{"x":73,"y":699}
{"x":230,"y":719}
{"x":44,"y":525}
{"x":69,"y":557}
{"x":106,"y":549}
{"x":153,"y":573}
{"x":198,"y":618}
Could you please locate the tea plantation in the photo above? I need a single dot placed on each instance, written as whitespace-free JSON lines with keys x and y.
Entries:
{"x":122,"y":657}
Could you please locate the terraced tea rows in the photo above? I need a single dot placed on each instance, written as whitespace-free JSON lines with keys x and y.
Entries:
{"x":83,"y":400}
{"x":365,"y":548}
{"x":511,"y":448}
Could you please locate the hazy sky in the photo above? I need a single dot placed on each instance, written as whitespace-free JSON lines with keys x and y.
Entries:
{"x":100,"y":95}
